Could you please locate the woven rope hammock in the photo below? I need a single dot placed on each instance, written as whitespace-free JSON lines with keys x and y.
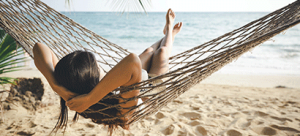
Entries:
{"x":31,"y":21}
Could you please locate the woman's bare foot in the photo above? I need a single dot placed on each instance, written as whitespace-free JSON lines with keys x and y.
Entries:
{"x":177,"y":28}
{"x":170,"y":17}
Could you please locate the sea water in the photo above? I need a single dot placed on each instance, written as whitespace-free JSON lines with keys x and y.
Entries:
{"x":136,"y":32}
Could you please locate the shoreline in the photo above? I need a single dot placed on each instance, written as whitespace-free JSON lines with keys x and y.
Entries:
{"x":259,"y":81}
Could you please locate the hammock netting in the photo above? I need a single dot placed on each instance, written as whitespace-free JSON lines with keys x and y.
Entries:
{"x":31,"y":21}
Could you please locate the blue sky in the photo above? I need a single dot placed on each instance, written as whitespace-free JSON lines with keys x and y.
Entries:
{"x":177,"y":5}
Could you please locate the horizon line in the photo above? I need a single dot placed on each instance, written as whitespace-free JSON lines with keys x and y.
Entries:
{"x":164,"y":11}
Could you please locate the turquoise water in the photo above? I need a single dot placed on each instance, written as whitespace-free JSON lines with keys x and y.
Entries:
{"x":281,"y":55}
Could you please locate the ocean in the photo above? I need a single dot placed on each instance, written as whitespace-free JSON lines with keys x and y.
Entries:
{"x":136,"y":32}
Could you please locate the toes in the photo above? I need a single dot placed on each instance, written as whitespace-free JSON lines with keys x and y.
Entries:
{"x":177,"y":25}
{"x":180,"y":24}
{"x":169,"y":11}
{"x":172,"y":13}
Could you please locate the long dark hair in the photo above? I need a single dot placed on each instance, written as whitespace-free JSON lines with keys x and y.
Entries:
{"x":78,"y":72}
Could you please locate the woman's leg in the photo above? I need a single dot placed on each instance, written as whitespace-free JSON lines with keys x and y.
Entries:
{"x":147,"y":55}
{"x":160,"y":60}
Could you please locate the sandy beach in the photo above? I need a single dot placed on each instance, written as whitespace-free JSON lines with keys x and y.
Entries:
{"x":223,"y":104}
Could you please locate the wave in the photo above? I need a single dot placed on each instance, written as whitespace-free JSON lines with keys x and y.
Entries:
{"x":290,"y":55}
{"x":136,"y":34}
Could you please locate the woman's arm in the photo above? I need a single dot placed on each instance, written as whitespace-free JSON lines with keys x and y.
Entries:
{"x":126,"y":72}
{"x":45,"y":61}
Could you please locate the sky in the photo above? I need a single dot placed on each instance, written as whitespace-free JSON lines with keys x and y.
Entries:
{"x":176,"y":5}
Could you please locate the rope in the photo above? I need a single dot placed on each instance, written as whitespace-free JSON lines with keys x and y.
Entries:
{"x":31,"y":21}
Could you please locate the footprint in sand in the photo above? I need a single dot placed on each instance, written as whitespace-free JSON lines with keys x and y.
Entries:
{"x":201,"y":130}
{"x":170,"y":130}
{"x":194,"y":123}
{"x":292,"y":130}
{"x":246,"y":112}
{"x":195,"y":106}
{"x":259,"y":113}
{"x":245,"y":125}
{"x":233,"y":133}
{"x":12,"y":125}
{"x":90,"y":125}
{"x":150,"y":118}
{"x":192,"y":115}
{"x":159,"y":115}
{"x":32,"y":124}
{"x":281,"y":119}
{"x":178,"y":101}
{"x":25,"y":133}
{"x":265,"y":130}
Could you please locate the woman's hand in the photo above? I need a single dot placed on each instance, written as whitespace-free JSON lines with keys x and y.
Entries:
{"x":79,"y":103}
{"x":64,"y":93}
{"x":74,"y":101}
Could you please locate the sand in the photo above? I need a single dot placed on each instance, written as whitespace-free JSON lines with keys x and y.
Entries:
{"x":223,"y":104}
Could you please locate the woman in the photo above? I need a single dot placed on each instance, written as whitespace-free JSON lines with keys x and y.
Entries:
{"x":77,"y":74}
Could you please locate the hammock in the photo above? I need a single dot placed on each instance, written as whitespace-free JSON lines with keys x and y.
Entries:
{"x":31,"y":21}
